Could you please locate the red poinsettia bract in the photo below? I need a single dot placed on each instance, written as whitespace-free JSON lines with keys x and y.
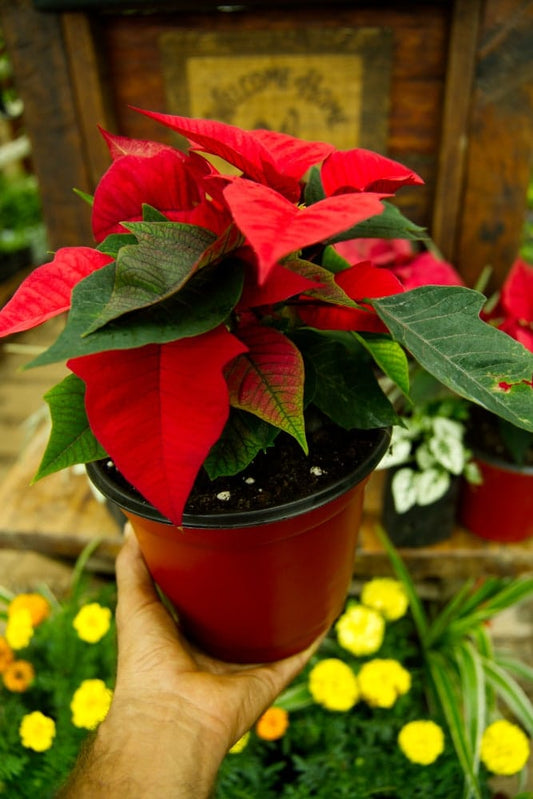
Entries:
{"x":160,"y":404}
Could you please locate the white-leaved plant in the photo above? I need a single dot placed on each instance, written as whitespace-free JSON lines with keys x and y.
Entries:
{"x":432,"y":447}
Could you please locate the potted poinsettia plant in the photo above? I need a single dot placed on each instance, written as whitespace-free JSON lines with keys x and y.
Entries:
{"x":500,"y":506}
{"x":215,"y":334}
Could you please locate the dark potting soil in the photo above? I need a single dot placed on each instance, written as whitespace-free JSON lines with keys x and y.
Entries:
{"x":282,"y":473}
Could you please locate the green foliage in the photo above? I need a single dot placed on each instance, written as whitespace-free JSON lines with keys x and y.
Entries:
{"x":20,"y":212}
{"x":174,"y":319}
{"x":429,"y":447}
{"x":351,"y":754}
{"x":72,"y":440}
{"x":61,"y":661}
{"x":440,"y":327}
{"x":466,"y":681}
{"x":390,"y":224}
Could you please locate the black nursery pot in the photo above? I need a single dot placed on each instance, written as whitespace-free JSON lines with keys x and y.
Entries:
{"x":421,"y":525}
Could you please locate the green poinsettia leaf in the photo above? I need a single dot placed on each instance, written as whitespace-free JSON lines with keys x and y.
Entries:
{"x":389,"y":356}
{"x":202,"y":305}
{"x":333,"y":261}
{"x":114,"y":242}
{"x":390,"y":224}
{"x":351,"y":398}
{"x":243,"y":437}
{"x":441,"y":328}
{"x":314,"y":191}
{"x":71,"y":439}
{"x":88,"y":198}
{"x":151,"y":214}
{"x":164,"y":259}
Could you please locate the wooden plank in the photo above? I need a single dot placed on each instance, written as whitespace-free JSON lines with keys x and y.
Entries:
{"x":500,"y":155}
{"x":35,"y":45}
{"x":458,"y":557}
{"x":92,"y":101}
{"x":58,"y":515}
{"x":455,"y":119}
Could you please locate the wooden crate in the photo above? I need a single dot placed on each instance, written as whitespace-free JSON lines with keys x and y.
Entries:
{"x":458,"y":106}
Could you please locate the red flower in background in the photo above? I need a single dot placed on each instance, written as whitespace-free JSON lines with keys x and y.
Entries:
{"x":426,"y":270}
{"x":513,"y":312}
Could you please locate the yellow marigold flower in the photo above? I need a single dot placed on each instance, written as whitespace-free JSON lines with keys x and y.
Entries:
{"x":333,"y":684}
{"x":90,"y":704}
{"x":19,"y":629}
{"x":18,"y":676}
{"x":37,"y":731}
{"x":382,"y":681}
{"x":6,"y":654}
{"x":421,"y":741}
{"x":241,"y":744}
{"x":504,"y":748}
{"x":387,"y":596}
{"x":272,"y":724}
{"x":38,"y":606}
{"x":360,"y":630}
{"x":92,"y":622}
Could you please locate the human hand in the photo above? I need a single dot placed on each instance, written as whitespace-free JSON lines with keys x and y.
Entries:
{"x":175,"y":711}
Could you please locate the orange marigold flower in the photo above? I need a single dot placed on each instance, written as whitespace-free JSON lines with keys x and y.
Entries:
{"x":6,"y":654}
{"x":38,"y":606}
{"x":18,"y":676}
{"x":272,"y":724}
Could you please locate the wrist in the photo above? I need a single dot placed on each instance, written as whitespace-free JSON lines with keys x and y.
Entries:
{"x":138,"y":752}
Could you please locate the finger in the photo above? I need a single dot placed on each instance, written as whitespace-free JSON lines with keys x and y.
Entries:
{"x":134,"y":583}
{"x":144,"y":625}
{"x":139,"y":609}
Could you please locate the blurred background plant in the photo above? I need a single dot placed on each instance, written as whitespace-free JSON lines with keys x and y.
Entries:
{"x":57,"y":668}
{"x":22,"y":231}
{"x":405,"y":698}
{"x":431,"y":450}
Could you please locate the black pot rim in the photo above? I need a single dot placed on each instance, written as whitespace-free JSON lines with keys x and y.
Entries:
{"x":135,"y":504}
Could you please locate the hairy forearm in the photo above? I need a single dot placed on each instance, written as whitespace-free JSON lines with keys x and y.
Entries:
{"x":144,"y":759}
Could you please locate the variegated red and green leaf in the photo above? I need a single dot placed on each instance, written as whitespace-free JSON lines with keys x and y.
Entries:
{"x":268,"y":380}
{"x":326,"y":289}
{"x":158,"y":410}
{"x":165,"y":258}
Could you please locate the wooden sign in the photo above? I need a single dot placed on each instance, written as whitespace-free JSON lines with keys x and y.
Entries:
{"x":323,"y":84}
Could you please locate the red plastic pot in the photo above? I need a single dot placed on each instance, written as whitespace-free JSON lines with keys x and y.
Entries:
{"x":501,"y":508}
{"x":254,"y":586}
